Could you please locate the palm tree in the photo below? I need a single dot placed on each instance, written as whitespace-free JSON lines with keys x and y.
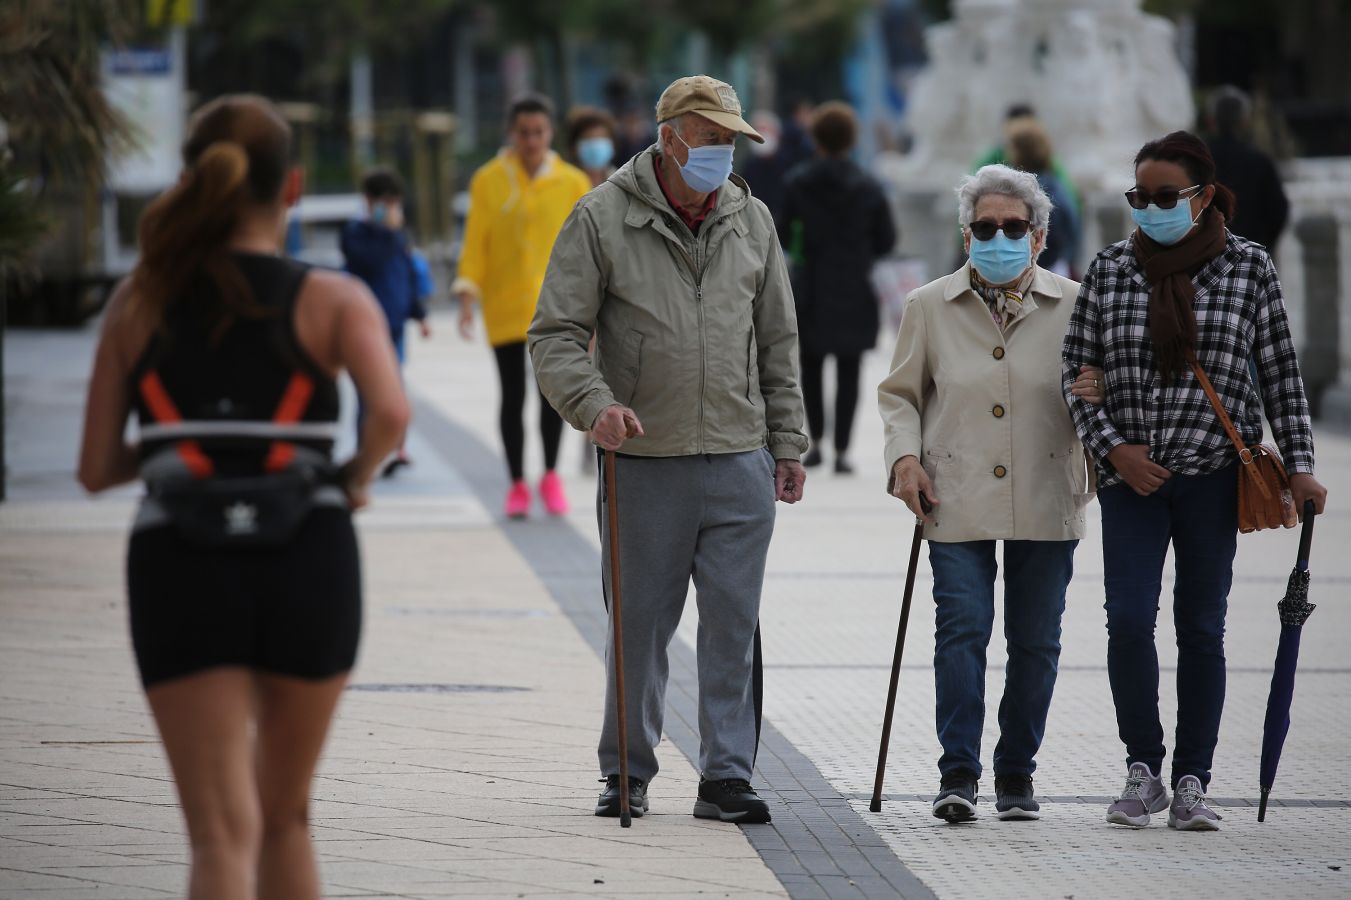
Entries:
{"x":60,"y":124}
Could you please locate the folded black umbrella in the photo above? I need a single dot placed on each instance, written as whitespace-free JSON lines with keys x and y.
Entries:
{"x":1295,"y":609}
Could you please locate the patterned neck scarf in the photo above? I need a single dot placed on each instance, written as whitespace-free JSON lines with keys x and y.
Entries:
{"x":1005,"y":303}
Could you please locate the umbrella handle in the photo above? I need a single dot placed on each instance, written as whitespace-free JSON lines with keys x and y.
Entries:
{"x":1306,"y":535}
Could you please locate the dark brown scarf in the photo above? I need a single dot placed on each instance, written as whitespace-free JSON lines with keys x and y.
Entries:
{"x":1169,"y":270}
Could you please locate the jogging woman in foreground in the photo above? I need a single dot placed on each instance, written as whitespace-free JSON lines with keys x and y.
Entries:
{"x":243,"y":571}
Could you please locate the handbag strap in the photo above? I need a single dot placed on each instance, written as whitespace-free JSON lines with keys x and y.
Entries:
{"x":1243,"y":452}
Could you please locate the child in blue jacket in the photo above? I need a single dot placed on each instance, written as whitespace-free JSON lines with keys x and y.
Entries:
{"x":377,"y":250}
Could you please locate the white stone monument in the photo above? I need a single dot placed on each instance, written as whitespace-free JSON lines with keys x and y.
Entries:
{"x":1102,"y":76}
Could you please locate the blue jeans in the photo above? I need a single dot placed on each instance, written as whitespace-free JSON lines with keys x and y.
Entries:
{"x":1036,"y":574}
{"x":1198,"y":514}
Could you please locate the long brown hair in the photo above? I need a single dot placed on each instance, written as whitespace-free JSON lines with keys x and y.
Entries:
{"x":235,"y":158}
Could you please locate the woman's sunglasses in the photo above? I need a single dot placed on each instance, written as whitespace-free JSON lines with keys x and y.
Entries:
{"x":1014,"y":229}
{"x":1167,"y":198}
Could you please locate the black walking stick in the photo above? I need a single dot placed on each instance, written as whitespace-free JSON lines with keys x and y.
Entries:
{"x":617,"y":626}
{"x":876,"y":805}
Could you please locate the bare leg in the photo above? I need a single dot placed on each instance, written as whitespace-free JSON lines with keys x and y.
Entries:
{"x":204,"y":720}
{"x":293,"y":720}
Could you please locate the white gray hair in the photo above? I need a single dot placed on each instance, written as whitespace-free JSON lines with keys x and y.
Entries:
{"x":997,"y":179}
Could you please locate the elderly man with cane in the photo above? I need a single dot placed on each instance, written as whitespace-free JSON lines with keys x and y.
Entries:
{"x":677,"y":270}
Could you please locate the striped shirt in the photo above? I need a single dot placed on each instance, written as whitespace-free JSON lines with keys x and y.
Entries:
{"x":1240,"y":316}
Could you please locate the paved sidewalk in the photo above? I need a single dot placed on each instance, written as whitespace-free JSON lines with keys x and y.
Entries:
{"x":462,"y":761}
{"x":463,"y":757}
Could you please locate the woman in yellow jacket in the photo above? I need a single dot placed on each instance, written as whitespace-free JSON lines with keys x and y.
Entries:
{"x":517,"y":204}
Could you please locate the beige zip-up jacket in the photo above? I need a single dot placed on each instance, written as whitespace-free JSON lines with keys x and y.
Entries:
{"x":985,"y":413}
{"x":696,"y":333}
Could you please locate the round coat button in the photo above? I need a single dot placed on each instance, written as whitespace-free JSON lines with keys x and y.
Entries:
{"x":998,"y":353}
{"x":1000,"y":471}
{"x":998,"y":411}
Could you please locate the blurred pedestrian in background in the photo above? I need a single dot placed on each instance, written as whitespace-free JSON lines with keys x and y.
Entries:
{"x":243,"y":575}
{"x":677,"y":271}
{"x":765,"y":169}
{"x":517,"y":203}
{"x":1016,"y":115}
{"x":795,"y":140}
{"x":591,"y":142}
{"x":1029,"y":149}
{"x":1181,"y":289}
{"x":377,"y":250}
{"x":1261,"y":210}
{"x":835,"y":222}
{"x":975,"y":422}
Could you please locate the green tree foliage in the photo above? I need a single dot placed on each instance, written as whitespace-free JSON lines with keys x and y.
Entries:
{"x":59,"y":123}
{"x":51,"y":96}
{"x":330,"y":31}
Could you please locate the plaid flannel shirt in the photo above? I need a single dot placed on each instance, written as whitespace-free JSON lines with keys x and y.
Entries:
{"x":1240,"y":316}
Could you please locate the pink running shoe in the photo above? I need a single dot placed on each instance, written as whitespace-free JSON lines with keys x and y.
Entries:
{"x":551,"y":491}
{"x":518,"y":501}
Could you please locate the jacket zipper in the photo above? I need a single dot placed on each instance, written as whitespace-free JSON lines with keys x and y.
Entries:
{"x":703,"y":344}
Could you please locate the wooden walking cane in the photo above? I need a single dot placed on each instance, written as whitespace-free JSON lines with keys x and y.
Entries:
{"x":617,"y":626}
{"x":876,"y":805}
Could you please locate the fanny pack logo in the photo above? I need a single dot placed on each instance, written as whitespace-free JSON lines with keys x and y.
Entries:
{"x":241,"y":518}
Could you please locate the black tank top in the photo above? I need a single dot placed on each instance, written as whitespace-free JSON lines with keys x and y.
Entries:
{"x":243,"y":402}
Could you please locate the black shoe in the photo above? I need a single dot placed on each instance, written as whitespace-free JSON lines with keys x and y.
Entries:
{"x":843,"y":466}
{"x":608,"y":803}
{"x":956,"y":800}
{"x":1013,"y":797}
{"x":395,"y":465}
{"x":730,"y":800}
{"x":812,"y":459}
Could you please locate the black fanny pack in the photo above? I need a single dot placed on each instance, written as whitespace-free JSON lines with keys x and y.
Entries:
{"x":246,"y":511}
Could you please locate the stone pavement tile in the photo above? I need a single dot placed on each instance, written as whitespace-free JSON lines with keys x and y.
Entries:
{"x":1072,"y":851}
{"x":92,"y":892}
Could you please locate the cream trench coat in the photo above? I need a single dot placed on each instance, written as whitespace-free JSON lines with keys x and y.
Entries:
{"x":985,"y":413}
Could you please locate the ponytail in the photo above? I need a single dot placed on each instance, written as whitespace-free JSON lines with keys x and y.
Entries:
{"x":235,"y":159}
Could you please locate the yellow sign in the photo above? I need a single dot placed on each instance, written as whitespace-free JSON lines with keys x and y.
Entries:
{"x":170,"y":12}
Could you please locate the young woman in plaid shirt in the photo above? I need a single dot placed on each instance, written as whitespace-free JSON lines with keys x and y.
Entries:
{"x":1180,"y":285}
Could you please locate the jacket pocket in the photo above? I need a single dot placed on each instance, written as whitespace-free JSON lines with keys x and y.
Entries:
{"x":630,"y":365}
{"x":753,"y":372}
{"x":1078,"y":491}
{"x":936,"y":460}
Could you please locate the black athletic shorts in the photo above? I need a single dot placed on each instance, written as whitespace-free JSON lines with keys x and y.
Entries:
{"x":292,"y":610}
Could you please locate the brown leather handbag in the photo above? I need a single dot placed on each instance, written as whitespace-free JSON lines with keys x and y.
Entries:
{"x":1264,"y":498}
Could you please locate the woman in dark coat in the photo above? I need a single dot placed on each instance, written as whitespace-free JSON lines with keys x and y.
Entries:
{"x":835,"y":224}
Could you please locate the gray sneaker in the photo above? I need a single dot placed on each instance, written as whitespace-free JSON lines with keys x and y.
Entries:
{"x":1144,"y":794}
{"x":1189,"y":811}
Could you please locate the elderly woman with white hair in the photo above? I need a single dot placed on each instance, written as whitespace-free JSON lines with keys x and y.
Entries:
{"x":980,"y":445}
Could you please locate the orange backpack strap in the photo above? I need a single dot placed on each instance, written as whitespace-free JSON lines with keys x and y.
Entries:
{"x":293,"y":403}
{"x":162,"y":407}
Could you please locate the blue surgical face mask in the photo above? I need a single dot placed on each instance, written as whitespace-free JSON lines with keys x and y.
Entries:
{"x":1165,"y":226}
{"x":707,"y":167}
{"x":595,"y":152}
{"x":379,"y":213}
{"x":1000,"y":259}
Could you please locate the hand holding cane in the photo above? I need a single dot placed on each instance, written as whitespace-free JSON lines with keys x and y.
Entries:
{"x":876,"y":804}
{"x":617,"y":627}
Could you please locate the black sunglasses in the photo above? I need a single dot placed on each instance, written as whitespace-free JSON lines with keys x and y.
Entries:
{"x":1167,"y":198}
{"x":1013,"y":229}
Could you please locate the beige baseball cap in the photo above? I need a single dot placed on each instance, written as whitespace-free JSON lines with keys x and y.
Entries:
{"x":708,"y":97}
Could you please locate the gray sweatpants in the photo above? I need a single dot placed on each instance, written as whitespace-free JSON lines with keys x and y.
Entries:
{"x":709,"y":518}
